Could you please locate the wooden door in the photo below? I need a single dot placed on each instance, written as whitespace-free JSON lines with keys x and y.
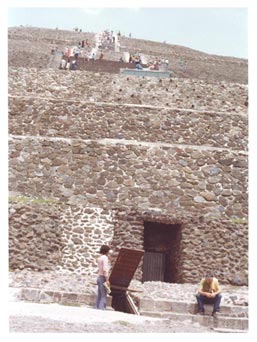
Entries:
{"x":125,"y":266}
{"x":154,"y":266}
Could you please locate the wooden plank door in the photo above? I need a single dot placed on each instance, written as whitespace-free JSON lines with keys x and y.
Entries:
{"x":153,"y":266}
{"x":125,"y":266}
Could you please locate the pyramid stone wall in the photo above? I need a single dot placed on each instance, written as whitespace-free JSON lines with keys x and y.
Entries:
{"x":95,"y":155}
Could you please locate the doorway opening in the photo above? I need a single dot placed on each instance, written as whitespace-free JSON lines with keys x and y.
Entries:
{"x":162,"y":252}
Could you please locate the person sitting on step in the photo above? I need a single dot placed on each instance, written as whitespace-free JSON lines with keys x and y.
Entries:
{"x":209,"y":293}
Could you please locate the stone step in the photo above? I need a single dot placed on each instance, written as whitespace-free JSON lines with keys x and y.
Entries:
{"x":189,"y":307}
{"x":59,"y":297}
{"x":232,"y":323}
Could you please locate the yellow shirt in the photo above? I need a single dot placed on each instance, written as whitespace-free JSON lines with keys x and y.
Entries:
{"x":213,"y":287}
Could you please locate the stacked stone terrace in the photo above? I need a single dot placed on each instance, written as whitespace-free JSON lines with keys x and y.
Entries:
{"x":120,"y":89}
{"x":49,"y":103}
{"x":102,"y":152}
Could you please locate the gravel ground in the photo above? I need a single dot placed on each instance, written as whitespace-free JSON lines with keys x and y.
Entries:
{"x":50,"y":318}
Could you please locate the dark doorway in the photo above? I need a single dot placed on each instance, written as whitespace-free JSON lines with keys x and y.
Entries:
{"x":162,"y":252}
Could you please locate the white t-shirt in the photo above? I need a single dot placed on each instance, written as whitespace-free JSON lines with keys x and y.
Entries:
{"x":103,"y":265}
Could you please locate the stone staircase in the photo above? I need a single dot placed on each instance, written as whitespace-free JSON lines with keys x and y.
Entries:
{"x":232,"y":318}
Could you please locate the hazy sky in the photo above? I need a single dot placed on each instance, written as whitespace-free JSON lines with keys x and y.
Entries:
{"x":221,"y":31}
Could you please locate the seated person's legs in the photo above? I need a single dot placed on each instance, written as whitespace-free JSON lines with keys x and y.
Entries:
{"x":217,"y":300}
{"x":200,"y":301}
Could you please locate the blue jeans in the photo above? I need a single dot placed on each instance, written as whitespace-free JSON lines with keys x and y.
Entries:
{"x":201,"y":300}
{"x":101,"y":294}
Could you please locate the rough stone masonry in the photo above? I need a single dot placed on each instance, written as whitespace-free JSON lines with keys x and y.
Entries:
{"x":94,"y":157}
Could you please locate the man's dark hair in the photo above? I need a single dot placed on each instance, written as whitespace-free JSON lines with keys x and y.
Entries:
{"x":104,"y":249}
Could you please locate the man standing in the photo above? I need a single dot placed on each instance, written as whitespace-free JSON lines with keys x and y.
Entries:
{"x":103,"y":277}
{"x":209,"y":293}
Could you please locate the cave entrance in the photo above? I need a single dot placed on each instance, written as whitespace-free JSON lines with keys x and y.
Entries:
{"x":162,"y":252}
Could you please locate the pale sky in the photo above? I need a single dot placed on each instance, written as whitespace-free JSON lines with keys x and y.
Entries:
{"x":221,"y":31}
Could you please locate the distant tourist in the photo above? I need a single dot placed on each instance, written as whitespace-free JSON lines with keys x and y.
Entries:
{"x":103,"y":277}
{"x":63,"y":64}
{"x":76,"y":53}
{"x":68,"y":52}
{"x":74,"y":65}
{"x":139,"y":66}
{"x":68,"y":64}
{"x":150,"y":65}
{"x":154,"y":65}
{"x":164,"y":65}
{"x":209,"y":293}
